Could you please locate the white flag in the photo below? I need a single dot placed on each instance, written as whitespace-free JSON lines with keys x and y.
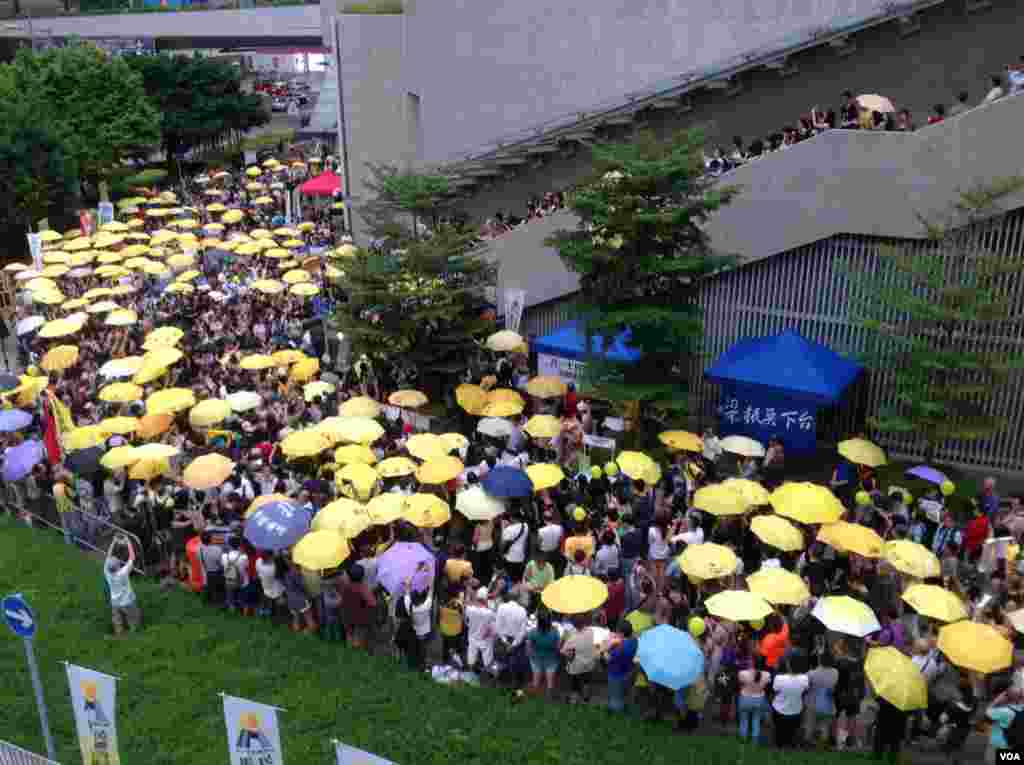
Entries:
{"x":349,"y":755}
{"x":94,"y":698}
{"x":253,"y":735}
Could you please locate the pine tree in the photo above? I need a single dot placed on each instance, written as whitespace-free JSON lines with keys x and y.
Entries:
{"x":640,"y":250}
{"x":941,"y":321}
{"x":416,"y":303}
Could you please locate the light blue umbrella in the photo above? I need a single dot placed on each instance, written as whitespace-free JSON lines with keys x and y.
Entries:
{"x":14,"y":419}
{"x":670,"y":657}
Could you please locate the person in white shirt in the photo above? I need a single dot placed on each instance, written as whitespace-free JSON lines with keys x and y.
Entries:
{"x":511,"y":627}
{"x":550,"y":534}
{"x":273,"y":587}
{"x":236,"y":574}
{"x":117,"y":572}
{"x":580,"y":649}
{"x":480,"y":631}
{"x":788,"y":704}
{"x":113,"y":489}
{"x":514,"y":537}
{"x":694,"y":534}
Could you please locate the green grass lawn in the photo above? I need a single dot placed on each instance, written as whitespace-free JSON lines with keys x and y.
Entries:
{"x":171,"y":673}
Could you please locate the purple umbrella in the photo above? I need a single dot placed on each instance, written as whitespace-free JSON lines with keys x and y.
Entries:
{"x":14,"y":419}
{"x":19,"y":460}
{"x":402,"y":561}
{"x":929,"y":474}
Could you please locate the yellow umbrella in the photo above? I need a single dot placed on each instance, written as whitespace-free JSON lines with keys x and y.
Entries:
{"x":386,"y":508}
{"x":913,"y":559}
{"x":346,"y":251}
{"x":84,"y":437}
{"x":55,"y":272}
{"x":504,"y":341}
{"x":738,"y":606}
{"x":708,"y":561}
{"x":315,"y":389}
{"x":472,"y":398}
{"x":265,"y":499}
{"x":544,"y":476}
{"x":575,"y":594}
{"x":426,"y":511}
{"x":284,"y":231}
{"x":278,"y":253}
{"x":935,"y":603}
{"x":502,"y":408}
{"x":320,"y":550}
{"x":455,"y":441}
{"x":232,"y":216}
{"x":249,"y":248}
{"x":343,"y":455}
{"x":720,"y":500}
{"x":636,"y":464}
{"x":860,"y":451}
{"x":360,"y":406}
{"x":852,"y":537}
{"x":304,"y":290}
{"x":296,"y":276}
{"x":60,"y":358}
{"x":170,"y":401}
{"x":896,"y":679}
{"x":777,"y":532}
{"x":253,"y":171}
{"x":356,"y":480}
{"x":50,"y":236}
{"x":154,"y":424}
{"x":257,"y":361}
{"x":49,"y":298}
{"x":305,"y":370}
{"x":119,"y":457}
{"x":304,"y":443}
{"x":163,"y":336}
{"x":268,"y":286}
{"x":122,"y":426}
{"x":408,"y":399}
{"x":543,"y":426}
{"x":207,"y":472}
{"x":755,"y":494}
{"x":180,"y":288}
{"x":345,"y":516}
{"x":209,"y":412}
{"x":120,"y":393}
{"x":976,"y":646}
{"x":157,"y":451}
{"x":682,"y":440}
{"x":148,"y":469}
{"x":806,"y":503}
{"x":776,"y":585}
{"x":188,"y":276}
{"x":439,"y":470}
{"x":546,"y":386}
{"x":357,"y":430}
{"x":181,"y":261}
{"x":59,"y":328}
{"x":396,"y":467}
{"x":292,"y":243}
{"x":426,"y":446}
{"x":287,"y":357}
{"x":122,"y":318}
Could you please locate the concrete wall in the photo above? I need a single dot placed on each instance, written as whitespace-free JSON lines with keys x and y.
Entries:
{"x":285,"y":21}
{"x":487,"y":68}
{"x":953,"y":52}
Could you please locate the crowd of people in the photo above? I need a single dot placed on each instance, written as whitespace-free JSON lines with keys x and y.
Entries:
{"x":536,"y":208}
{"x":206,"y":351}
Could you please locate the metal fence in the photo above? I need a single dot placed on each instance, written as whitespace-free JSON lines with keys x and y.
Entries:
{"x":15,"y":755}
{"x":808,"y":290}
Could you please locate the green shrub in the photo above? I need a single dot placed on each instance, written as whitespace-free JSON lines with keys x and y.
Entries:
{"x":381,"y":7}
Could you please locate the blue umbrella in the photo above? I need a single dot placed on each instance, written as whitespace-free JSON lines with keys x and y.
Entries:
{"x":670,"y":657}
{"x":504,"y":482}
{"x":929,"y":474}
{"x":19,"y":460}
{"x":9,"y":382}
{"x":14,"y":419}
{"x":276,"y":525}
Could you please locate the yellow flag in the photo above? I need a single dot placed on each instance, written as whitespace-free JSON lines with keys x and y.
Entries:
{"x":61,"y":416}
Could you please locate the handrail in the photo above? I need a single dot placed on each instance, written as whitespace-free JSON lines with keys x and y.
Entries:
{"x":812,"y":37}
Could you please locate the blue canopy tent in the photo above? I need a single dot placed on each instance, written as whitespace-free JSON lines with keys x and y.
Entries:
{"x":561,"y":352}
{"x":775,"y":385}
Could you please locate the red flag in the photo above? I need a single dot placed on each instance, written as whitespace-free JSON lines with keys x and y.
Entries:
{"x":52,"y":433}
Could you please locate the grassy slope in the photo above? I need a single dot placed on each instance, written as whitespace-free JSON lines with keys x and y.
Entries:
{"x":171,"y":674}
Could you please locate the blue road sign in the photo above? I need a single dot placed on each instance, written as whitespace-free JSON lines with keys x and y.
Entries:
{"x":19,"y":616}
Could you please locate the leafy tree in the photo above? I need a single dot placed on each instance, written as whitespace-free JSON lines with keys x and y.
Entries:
{"x":200,"y":101}
{"x":640,"y":250}
{"x":417,"y":302}
{"x":92,"y":103}
{"x":37,"y":178}
{"x":941,"y":320}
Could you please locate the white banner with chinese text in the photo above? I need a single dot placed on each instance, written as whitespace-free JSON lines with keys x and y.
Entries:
{"x":253,"y":735}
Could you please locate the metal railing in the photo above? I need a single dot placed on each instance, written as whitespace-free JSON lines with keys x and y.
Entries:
{"x":15,"y":755}
{"x":10,"y":9}
{"x":678,"y":85}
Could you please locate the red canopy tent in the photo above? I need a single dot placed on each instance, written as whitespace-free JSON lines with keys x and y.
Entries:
{"x":324,"y":185}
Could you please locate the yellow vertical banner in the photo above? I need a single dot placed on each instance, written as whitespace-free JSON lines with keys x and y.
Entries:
{"x":94,"y":699}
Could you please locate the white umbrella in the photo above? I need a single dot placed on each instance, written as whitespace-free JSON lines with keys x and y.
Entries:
{"x":477,"y":505}
{"x":495,"y":427}
{"x":841,"y":613}
{"x":28,"y":273}
{"x":118,"y":368}
{"x":29,"y":324}
{"x":743,"y":446}
{"x":244,"y":400}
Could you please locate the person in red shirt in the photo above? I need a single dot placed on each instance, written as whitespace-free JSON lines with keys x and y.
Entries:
{"x":775,"y":643}
{"x":571,"y":400}
{"x":615,"y":606}
{"x":975,"y":535}
{"x":939,"y":114}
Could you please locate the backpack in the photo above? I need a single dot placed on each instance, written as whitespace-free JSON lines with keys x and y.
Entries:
{"x":232,"y":576}
{"x":1015,"y":730}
